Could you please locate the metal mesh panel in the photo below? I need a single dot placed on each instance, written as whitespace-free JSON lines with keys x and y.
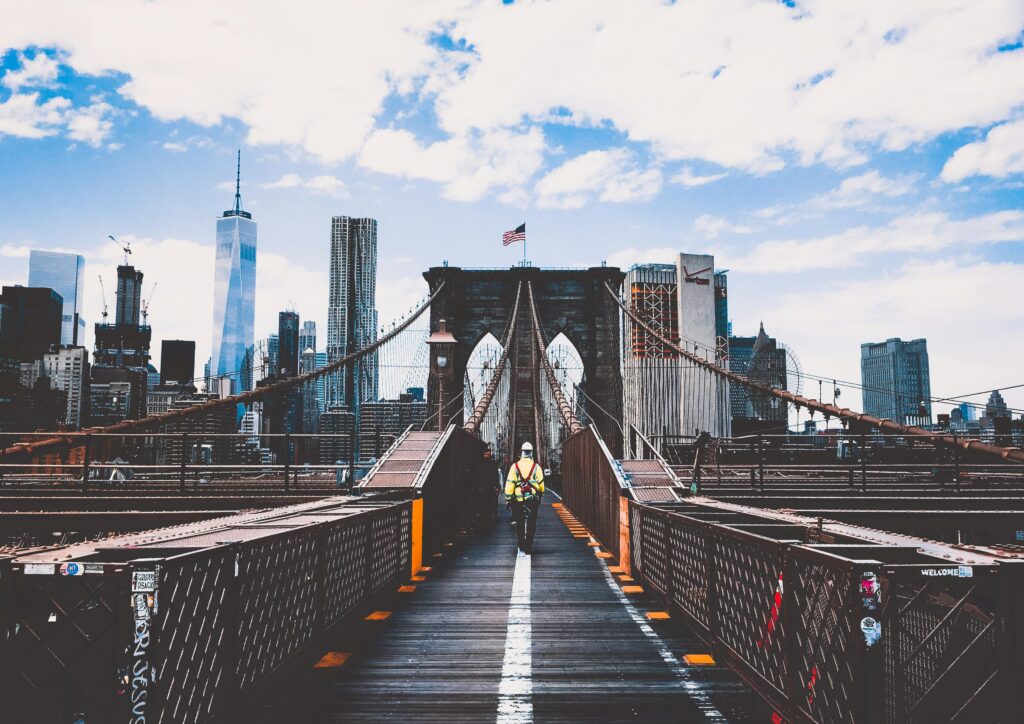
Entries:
{"x":276,"y":599}
{"x":63,"y":640}
{"x":196,"y":635}
{"x":688,"y":542}
{"x":389,"y":551}
{"x":823,"y":634}
{"x":942,"y":632}
{"x":345,"y":567}
{"x":750,"y":621}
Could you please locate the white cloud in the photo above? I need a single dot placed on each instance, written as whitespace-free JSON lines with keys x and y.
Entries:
{"x":328,"y":185}
{"x":999,"y":155}
{"x":736,"y":83}
{"x":288,"y":181}
{"x":23,"y":115}
{"x":921,"y":233}
{"x":90,"y":124}
{"x":37,"y":72}
{"x":325,"y":185}
{"x":187,"y":143}
{"x":469,"y":166}
{"x":902,"y":302}
{"x":859,"y":190}
{"x":176,"y":147}
{"x":609,"y":174}
{"x":689,"y":179}
{"x":710,"y":226}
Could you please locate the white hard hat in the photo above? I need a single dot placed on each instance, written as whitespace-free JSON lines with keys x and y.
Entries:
{"x":527,"y":446}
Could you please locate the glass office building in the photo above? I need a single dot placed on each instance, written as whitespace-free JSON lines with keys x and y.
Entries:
{"x":234,"y":292}
{"x":64,"y":274}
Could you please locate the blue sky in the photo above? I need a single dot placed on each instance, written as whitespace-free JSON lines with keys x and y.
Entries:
{"x":858,"y":167}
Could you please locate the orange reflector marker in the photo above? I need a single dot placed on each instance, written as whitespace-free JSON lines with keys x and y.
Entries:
{"x":406,"y":589}
{"x":557,"y":505}
{"x":418,"y":579}
{"x":615,"y":569}
{"x":626,"y":579}
{"x":426,"y":569}
{"x":657,"y":615}
{"x":332,"y":659}
{"x":699,"y":659}
{"x":594,"y":544}
{"x":379,"y":616}
{"x":602,"y":554}
{"x":632,"y":589}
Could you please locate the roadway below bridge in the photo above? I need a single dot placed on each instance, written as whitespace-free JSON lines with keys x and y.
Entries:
{"x":490,"y":634}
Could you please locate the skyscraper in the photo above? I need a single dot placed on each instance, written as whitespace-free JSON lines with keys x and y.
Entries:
{"x":234,"y":293}
{"x":34,"y":321}
{"x":895,"y":379}
{"x":705,"y":401}
{"x":307,"y":337}
{"x":288,"y":344}
{"x":64,"y":274}
{"x":126,"y":342}
{"x":762,"y":359}
{"x":68,"y":370}
{"x":177,"y":361}
{"x":352,"y":308}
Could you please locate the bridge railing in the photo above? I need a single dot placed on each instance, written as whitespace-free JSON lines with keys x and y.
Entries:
{"x":175,"y":625}
{"x":840,"y":632}
{"x":592,"y":485}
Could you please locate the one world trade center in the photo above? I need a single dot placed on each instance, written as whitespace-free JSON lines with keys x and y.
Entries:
{"x":234,"y":297}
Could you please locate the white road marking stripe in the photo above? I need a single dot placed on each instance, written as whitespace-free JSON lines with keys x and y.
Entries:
{"x":692,"y":688}
{"x":515,"y":693}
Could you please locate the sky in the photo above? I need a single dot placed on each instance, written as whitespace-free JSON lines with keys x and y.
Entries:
{"x":858,"y":166}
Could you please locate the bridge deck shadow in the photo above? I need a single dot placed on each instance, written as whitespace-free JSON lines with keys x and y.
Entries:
{"x":439,"y":656}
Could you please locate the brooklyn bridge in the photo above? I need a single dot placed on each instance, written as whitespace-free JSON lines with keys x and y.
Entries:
{"x":870,"y":574}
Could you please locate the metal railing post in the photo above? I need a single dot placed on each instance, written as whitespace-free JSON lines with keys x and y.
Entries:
{"x":86,"y":455}
{"x":760,"y":461}
{"x":287,"y":460}
{"x":956,"y":463}
{"x":864,"y":462}
{"x":184,"y":462}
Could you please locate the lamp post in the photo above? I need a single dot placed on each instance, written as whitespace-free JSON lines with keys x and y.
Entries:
{"x":442,"y":346}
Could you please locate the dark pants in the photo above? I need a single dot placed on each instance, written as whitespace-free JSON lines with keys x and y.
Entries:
{"x":525,"y":516}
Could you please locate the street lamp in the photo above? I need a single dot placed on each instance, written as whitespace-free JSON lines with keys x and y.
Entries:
{"x":442,"y":345}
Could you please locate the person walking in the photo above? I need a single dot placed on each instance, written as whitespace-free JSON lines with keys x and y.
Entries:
{"x":524,"y":488}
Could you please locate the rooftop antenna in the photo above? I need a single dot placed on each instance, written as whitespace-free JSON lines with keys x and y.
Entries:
{"x":126,"y":248}
{"x":103,"y":292}
{"x":238,"y":183}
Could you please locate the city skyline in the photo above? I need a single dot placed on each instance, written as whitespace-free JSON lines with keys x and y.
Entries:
{"x":842,"y":197}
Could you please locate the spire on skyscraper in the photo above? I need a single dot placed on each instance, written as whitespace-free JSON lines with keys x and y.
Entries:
{"x":238,"y":182}
{"x":237,"y":211}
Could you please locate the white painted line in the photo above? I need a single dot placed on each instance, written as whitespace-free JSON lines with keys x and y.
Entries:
{"x":515,"y":693}
{"x":699,"y":696}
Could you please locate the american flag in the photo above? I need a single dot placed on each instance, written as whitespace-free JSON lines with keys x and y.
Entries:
{"x":516,"y":234}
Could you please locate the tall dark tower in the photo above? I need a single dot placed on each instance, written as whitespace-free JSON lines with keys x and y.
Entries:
{"x":288,"y":344}
{"x":129,"y":295}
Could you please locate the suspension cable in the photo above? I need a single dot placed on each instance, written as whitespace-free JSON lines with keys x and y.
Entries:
{"x":480,"y":410}
{"x":564,"y":408}
{"x":68,"y":442}
{"x":817,"y":406}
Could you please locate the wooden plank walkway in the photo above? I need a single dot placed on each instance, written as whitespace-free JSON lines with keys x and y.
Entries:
{"x":489,"y":636}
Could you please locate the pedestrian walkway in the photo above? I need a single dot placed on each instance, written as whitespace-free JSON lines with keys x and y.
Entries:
{"x":494,"y":635}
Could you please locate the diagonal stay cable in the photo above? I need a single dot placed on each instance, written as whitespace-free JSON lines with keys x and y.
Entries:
{"x":55,"y":443}
{"x":564,"y":408}
{"x":843,"y":413}
{"x":480,"y":410}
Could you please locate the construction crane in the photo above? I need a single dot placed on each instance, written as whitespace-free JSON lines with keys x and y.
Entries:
{"x":103,"y":292}
{"x":145,"y":304}
{"x":126,"y":247}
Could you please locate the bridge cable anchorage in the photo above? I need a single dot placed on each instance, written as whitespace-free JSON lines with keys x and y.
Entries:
{"x":65,"y":442}
{"x":480,"y":410}
{"x":843,"y":413}
{"x":569,"y":419}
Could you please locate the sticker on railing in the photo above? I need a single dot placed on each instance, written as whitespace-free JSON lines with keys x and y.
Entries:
{"x":40,"y":569}
{"x":71,"y":569}
{"x":143,"y":581}
{"x":872,"y":630}
{"x":953,"y":572}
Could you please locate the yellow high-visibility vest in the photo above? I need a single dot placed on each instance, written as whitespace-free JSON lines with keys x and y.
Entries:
{"x":522,"y":471}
